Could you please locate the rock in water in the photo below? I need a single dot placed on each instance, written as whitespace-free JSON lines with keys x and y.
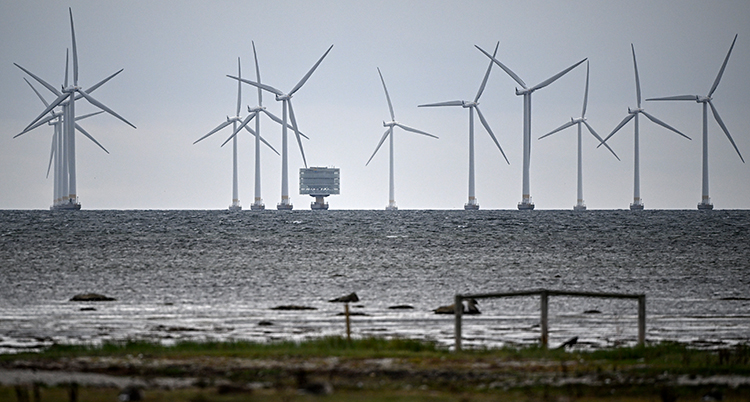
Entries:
{"x":89,"y":297}
{"x":352,"y":297}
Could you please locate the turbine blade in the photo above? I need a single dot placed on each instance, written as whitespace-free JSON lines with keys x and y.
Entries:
{"x":385,"y":135}
{"x":239,"y":87}
{"x":86,"y":116}
{"x":596,"y":135}
{"x":263,"y":140}
{"x":619,"y":126}
{"x":486,"y":75}
{"x":414,"y":130}
{"x":489,"y":131}
{"x":387,"y":97}
{"x":675,"y":98}
{"x":294,"y":126}
{"x":257,"y":75}
{"x":52,"y":105}
{"x":79,"y":128}
{"x":219,"y":127}
{"x":309,"y":73}
{"x":52,"y":153}
{"x":721,"y":71}
{"x":38,"y":124}
{"x":556,"y":76}
{"x":39,"y":80}
{"x":448,"y":103}
{"x":241,"y":126}
{"x":101,"y":106}
{"x":637,"y":80}
{"x":506,"y":69}
{"x":102,"y":82}
{"x":261,"y":86}
{"x":724,"y":128}
{"x":67,"y":64}
{"x":663,"y":124}
{"x":586,"y":92}
{"x":563,"y":127}
{"x":278,"y":120}
{"x":37,"y":93}
{"x":75,"y":51}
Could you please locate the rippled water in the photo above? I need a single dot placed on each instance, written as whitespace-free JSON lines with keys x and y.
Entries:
{"x":217,"y":274}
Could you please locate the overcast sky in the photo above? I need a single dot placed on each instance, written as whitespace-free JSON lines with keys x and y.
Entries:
{"x":174,"y":88}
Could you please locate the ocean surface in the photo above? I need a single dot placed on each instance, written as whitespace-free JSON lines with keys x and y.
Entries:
{"x":216,"y":275}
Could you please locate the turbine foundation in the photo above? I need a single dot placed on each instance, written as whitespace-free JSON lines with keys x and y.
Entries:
{"x":637,"y":205}
{"x":526,"y":204}
{"x":705,"y":204}
{"x":257,"y":205}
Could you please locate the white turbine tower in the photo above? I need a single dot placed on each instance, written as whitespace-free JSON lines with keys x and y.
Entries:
{"x":55,"y":119}
{"x":389,"y":133}
{"x":633,"y":114}
{"x":580,"y":205}
{"x":705,"y":203}
{"x":472,"y":105}
{"x":233,"y":121}
{"x":67,"y":99}
{"x":526,"y":203}
{"x":286,"y":99}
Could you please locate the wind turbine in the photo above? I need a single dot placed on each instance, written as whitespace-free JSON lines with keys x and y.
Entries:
{"x":472,"y":105}
{"x":633,"y":114}
{"x":389,"y":133}
{"x":705,"y":203}
{"x":233,"y":121}
{"x":67,"y":99}
{"x":56,"y":154}
{"x":526,"y":203}
{"x":580,"y":205}
{"x":286,"y":100}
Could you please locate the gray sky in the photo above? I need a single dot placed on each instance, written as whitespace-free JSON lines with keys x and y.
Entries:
{"x":174,"y":89}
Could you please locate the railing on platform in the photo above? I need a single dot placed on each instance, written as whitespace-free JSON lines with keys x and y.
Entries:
{"x":544,"y":302}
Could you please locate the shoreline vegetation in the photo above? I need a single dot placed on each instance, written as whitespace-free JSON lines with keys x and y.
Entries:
{"x":372,"y":369}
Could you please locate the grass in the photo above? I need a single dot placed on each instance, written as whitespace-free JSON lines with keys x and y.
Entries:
{"x":434,"y":373}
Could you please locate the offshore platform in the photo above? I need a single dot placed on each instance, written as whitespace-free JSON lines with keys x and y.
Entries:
{"x":319,"y":182}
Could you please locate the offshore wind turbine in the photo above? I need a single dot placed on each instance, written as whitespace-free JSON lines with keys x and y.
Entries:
{"x":286,"y":100}
{"x":67,"y":98}
{"x":633,"y":114}
{"x":526,"y":203}
{"x":56,"y":152}
{"x":580,"y":205}
{"x":255,"y":111}
{"x":472,"y":105}
{"x":705,"y":203}
{"x":389,"y":133}
{"x":236,"y":206}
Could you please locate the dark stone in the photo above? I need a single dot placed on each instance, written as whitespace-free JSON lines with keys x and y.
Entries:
{"x":130,"y":393}
{"x":87,"y":309}
{"x":401,"y":307}
{"x":351,"y":297}
{"x":592,"y":312}
{"x":90,"y":297}
{"x":355,"y":313}
{"x":293,"y":308}
{"x":265,"y":323}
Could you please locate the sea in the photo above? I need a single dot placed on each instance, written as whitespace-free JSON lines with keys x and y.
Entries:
{"x":221,"y":275}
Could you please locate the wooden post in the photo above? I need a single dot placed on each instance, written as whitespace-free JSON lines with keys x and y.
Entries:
{"x":458,"y":305}
{"x":544,"y":338}
{"x":642,"y":320}
{"x":348,"y":324}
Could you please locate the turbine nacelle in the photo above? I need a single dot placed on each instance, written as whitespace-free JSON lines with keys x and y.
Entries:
{"x":466,"y":104}
{"x":389,"y":124}
{"x":524,"y":91}
{"x":635,"y":111}
{"x":256,"y":109}
{"x":703,"y":99}
{"x":282,"y":98}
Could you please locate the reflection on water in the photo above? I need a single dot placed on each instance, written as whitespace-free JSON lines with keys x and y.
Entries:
{"x":216,"y":274}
